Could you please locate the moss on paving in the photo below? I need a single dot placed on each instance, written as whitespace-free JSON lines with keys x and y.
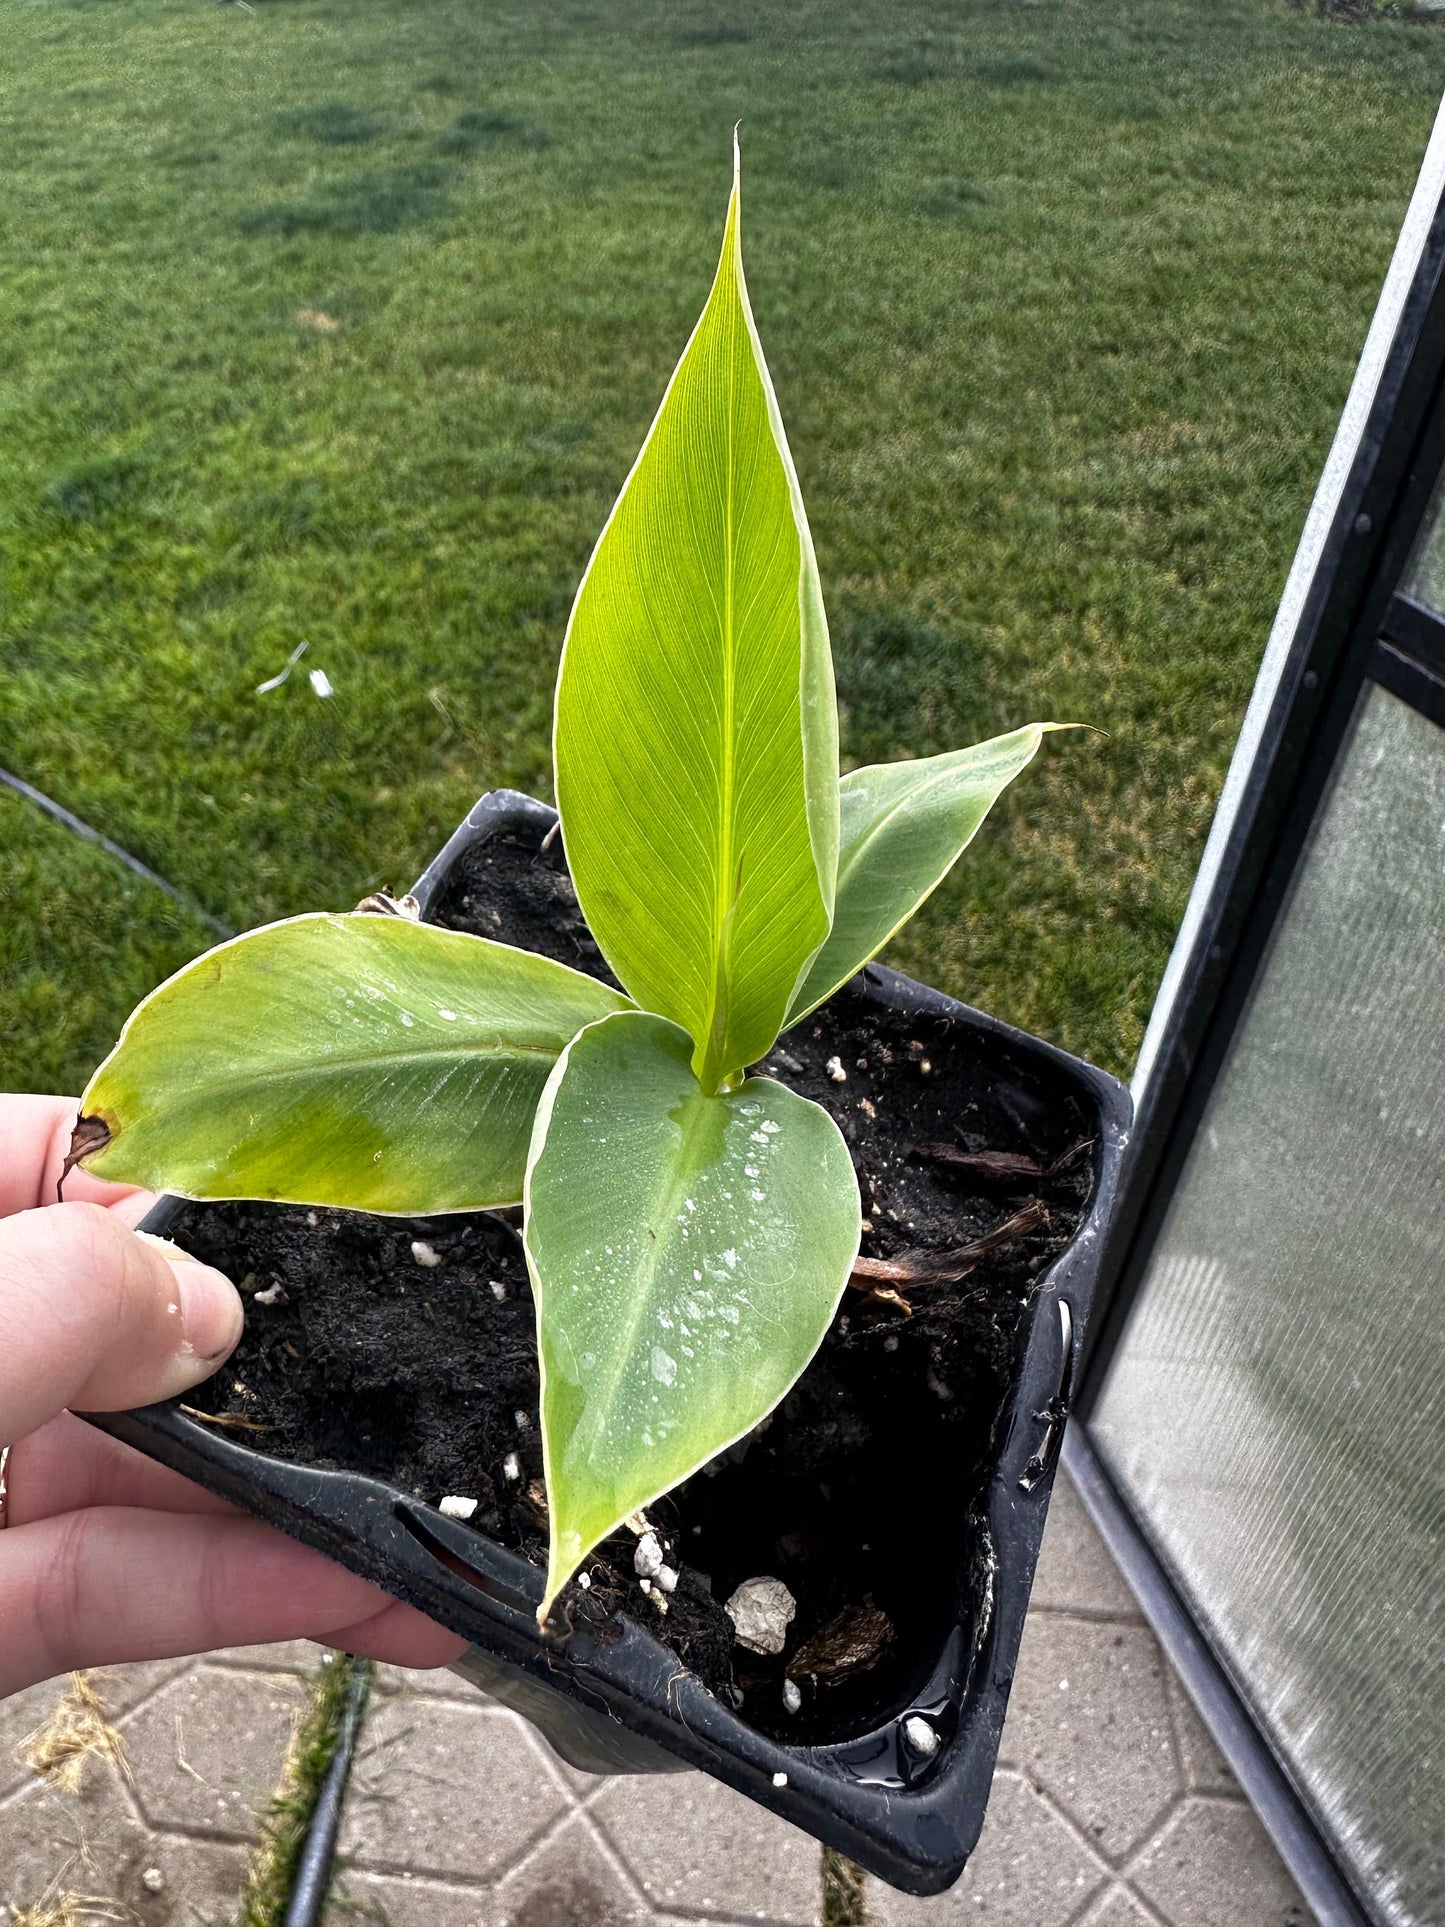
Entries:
{"x":344,"y":323}
{"x":284,"y":1825}
{"x":843,"y":1892}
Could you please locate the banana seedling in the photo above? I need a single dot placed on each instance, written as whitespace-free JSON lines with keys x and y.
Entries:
{"x":689,"y":1227}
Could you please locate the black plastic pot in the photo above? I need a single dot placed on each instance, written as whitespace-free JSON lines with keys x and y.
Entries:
{"x":907,"y":1813}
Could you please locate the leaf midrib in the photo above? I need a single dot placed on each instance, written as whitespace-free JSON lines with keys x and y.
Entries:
{"x":723,"y":881}
{"x":665,"y":1202}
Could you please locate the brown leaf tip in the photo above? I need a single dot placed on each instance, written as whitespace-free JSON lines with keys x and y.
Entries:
{"x":381,"y":903}
{"x":91,"y":1134}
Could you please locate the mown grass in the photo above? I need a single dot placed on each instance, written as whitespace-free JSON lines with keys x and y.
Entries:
{"x":77,"y":934}
{"x":344,"y":322}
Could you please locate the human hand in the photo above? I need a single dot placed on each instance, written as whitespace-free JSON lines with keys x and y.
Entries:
{"x":106,"y":1556}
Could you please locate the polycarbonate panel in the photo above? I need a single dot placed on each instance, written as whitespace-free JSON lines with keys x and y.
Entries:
{"x":1276,"y":1409}
{"x":1424,"y":577}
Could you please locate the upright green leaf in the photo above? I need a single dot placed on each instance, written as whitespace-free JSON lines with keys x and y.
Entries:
{"x":904,"y":826}
{"x":687,"y":1253}
{"x":696,"y":727}
{"x":359,"y":1061}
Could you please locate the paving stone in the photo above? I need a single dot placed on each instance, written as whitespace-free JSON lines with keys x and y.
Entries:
{"x":446,"y":1790}
{"x":1089,"y":1721}
{"x":460,"y":1816}
{"x":440,"y":1683}
{"x":20,"y":1714}
{"x":1117,"y":1908}
{"x":434,"y":1682}
{"x":404,"y":1900}
{"x":1205,"y":1768}
{"x":1214,"y":1866}
{"x":696,"y":1920}
{"x":95,"y":1842}
{"x":206,"y":1751}
{"x":570,"y":1881}
{"x":697,"y":1847}
{"x":1028,"y":1870}
{"x":201,"y":1882}
{"x":285,"y":1656}
{"x":121,"y":1688}
{"x":1076,"y":1571}
{"x":585,"y":1786}
{"x":51,"y":1840}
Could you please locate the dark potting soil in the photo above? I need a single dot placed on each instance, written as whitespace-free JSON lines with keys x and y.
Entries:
{"x":405,"y":1349}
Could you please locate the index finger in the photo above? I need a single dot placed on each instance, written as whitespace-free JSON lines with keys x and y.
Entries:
{"x":34,"y":1138}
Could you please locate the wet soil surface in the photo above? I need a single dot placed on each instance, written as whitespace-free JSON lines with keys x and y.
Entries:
{"x":405,"y":1349}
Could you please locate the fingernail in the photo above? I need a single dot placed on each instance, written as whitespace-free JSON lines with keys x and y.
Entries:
{"x":211,"y":1312}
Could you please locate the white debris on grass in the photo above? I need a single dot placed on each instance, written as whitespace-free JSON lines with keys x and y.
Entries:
{"x":320,"y":681}
{"x":762,"y":1610}
{"x":275,"y":682}
{"x":454,"y":1506}
{"x":425,"y":1254}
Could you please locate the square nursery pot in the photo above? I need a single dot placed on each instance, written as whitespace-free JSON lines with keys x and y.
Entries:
{"x":900,"y":1491}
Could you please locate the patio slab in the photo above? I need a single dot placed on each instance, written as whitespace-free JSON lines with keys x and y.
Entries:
{"x":1111,"y":1806}
{"x":165,"y":1839}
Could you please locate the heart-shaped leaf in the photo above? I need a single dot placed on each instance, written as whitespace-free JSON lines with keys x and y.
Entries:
{"x":687,"y":1253}
{"x":696,"y":728}
{"x":904,"y":826}
{"x":365,"y":1062}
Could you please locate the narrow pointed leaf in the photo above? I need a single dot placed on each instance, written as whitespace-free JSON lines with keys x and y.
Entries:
{"x":364,"y":1062}
{"x":904,"y":826}
{"x":687,"y":1253}
{"x":696,"y":727}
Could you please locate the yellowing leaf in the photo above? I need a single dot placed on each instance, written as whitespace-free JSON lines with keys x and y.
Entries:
{"x":904,"y":827}
{"x":364,"y":1062}
{"x":687,"y":1253}
{"x":696,"y":727}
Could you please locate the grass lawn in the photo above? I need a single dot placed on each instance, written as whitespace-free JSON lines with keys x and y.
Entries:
{"x":343,"y":319}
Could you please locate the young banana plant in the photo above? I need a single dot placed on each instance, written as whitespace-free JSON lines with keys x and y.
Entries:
{"x":689,"y":1228}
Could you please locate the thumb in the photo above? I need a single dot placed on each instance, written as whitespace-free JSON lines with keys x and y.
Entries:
{"x":94,"y":1316}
